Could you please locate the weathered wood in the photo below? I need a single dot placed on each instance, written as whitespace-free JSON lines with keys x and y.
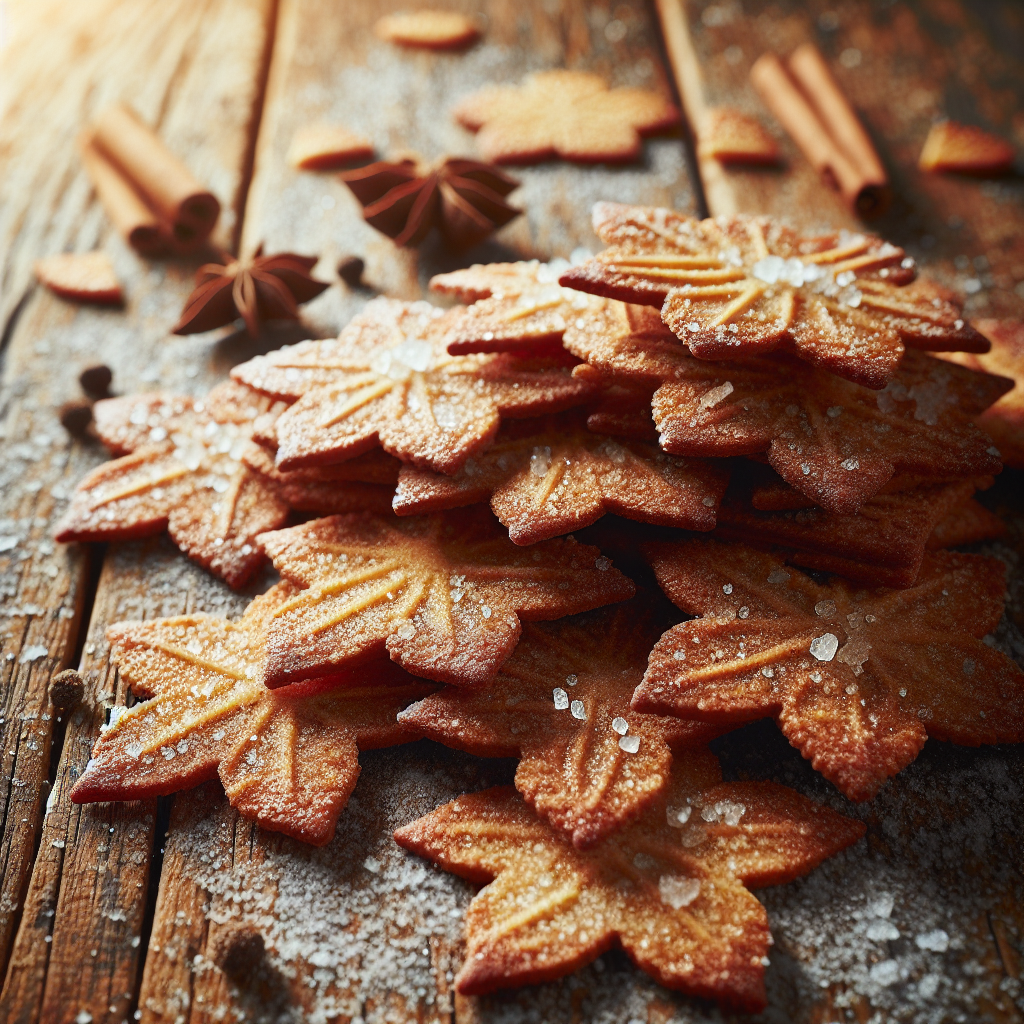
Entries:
{"x":168,"y":59}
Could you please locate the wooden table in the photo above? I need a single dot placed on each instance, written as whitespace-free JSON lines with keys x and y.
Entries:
{"x":114,"y":912}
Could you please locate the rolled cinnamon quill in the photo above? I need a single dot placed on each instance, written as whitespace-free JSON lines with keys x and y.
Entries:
{"x":183,"y":206}
{"x":811,"y":107}
{"x":136,"y":222}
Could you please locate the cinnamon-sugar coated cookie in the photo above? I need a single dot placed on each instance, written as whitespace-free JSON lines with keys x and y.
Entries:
{"x":738,"y":286}
{"x":834,"y":441}
{"x":442,"y":594}
{"x":515,"y":306}
{"x":185,"y":473}
{"x":388,"y":380}
{"x":567,"y":114}
{"x":428,"y":29}
{"x":549,"y":477}
{"x":733,"y":137}
{"x":324,"y":147}
{"x":561,"y":704}
{"x":80,"y":276}
{"x":857,"y":678}
{"x":883,"y":544}
{"x":288,"y":760}
{"x":965,"y":148}
{"x":670,"y":888}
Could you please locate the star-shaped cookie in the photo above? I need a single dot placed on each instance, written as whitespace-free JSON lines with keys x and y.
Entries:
{"x":289,"y":759}
{"x":327,"y":490}
{"x":442,"y":594}
{"x":671,"y":888}
{"x":185,"y":474}
{"x":881,"y":545}
{"x":561,"y":705}
{"x":515,"y":307}
{"x":856,"y":678}
{"x":550,"y":477}
{"x":834,"y":441}
{"x":567,"y":114}
{"x":388,"y":380}
{"x":733,"y":287}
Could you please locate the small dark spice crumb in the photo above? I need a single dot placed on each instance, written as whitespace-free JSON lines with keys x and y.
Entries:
{"x":75,"y":416}
{"x":350,"y":270}
{"x":239,"y":952}
{"x":66,"y":690}
{"x":96,"y":380}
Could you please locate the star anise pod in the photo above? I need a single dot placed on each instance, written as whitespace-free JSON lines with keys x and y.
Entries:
{"x":404,"y":199}
{"x":255,"y":288}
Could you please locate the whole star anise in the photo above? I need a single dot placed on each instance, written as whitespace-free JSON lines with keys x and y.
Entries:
{"x":404,"y":199}
{"x":255,"y":288}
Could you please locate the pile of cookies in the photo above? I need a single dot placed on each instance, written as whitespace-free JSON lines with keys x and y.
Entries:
{"x":742,"y":418}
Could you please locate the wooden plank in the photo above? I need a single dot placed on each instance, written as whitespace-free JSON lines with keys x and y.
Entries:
{"x":328,"y":65}
{"x":168,"y":59}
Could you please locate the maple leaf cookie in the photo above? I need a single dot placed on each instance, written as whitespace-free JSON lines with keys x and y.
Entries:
{"x":733,"y":287}
{"x":561,"y":705}
{"x":442,"y":594}
{"x":856,"y":678}
{"x":670,"y":889}
{"x":388,"y":380}
{"x":289,"y":759}
{"x":567,"y":114}
{"x":185,"y":473}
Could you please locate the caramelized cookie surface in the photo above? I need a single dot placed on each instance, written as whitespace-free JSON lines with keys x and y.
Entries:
{"x":442,"y":594}
{"x":670,"y":888}
{"x":288,"y":760}
{"x":857,"y":678}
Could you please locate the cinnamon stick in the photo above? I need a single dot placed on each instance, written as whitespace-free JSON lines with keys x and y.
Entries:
{"x":814,"y":77}
{"x":136,"y":222}
{"x":168,"y":187}
{"x":858,"y":174}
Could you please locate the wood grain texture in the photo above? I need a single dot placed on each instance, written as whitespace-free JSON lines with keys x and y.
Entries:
{"x":155,"y":55}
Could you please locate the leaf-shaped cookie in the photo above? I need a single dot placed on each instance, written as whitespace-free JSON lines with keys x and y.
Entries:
{"x":561,"y":705}
{"x":550,"y":477}
{"x":881,"y":545}
{"x":570,"y":114}
{"x":442,"y":594}
{"x":185,"y":473}
{"x":1005,"y":420}
{"x":387,"y":379}
{"x":737,"y":286}
{"x":856,"y":678}
{"x":515,"y":306}
{"x":834,"y":441}
{"x":670,"y":888}
{"x":288,"y":759}
{"x":326,"y":490}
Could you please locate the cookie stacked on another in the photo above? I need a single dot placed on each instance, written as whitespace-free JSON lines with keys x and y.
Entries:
{"x":743,"y":417}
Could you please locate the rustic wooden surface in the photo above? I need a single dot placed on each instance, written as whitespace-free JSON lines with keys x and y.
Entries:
{"x":169,"y":60}
{"x":115,"y":912}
